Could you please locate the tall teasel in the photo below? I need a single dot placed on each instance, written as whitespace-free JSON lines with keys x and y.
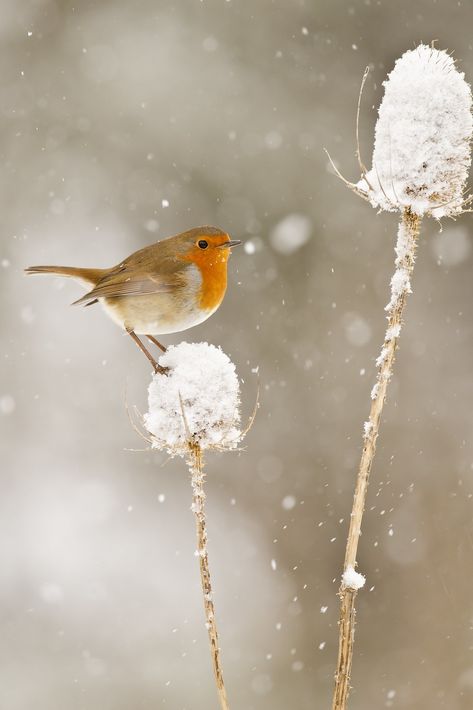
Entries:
{"x":421,"y":159}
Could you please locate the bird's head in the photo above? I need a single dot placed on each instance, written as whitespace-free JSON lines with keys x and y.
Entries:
{"x":204,"y":246}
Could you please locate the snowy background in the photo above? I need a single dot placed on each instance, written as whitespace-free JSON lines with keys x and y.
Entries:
{"x":125,"y":122}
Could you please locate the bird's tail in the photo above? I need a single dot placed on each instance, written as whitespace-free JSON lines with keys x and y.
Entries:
{"x":88,"y":277}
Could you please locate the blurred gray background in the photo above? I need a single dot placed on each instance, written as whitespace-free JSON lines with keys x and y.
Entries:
{"x":122,"y":123}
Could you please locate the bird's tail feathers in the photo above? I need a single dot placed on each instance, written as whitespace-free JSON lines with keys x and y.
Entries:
{"x":88,"y":277}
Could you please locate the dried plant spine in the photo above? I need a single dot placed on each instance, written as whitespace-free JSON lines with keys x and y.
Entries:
{"x":196,"y":468}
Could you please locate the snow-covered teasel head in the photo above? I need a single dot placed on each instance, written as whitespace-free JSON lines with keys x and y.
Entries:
{"x":196,"y":402}
{"x":422,"y":154}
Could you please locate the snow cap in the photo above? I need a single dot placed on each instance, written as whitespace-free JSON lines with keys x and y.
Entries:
{"x":197,"y":401}
{"x":422,"y":152}
{"x":353,"y":579}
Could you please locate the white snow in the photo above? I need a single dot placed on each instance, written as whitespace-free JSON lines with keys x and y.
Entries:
{"x":7,"y":404}
{"x":400,"y":286}
{"x":357,"y":329}
{"x":353,"y":579}
{"x":288,"y":502}
{"x":382,"y":356}
{"x":198,"y":400}
{"x":393,"y":332}
{"x":400,"y":282}
{"x":291,"y":233}
{"x":422,"y":155}
{"x":452,"y":246}
{"x":273,"y":140}
{"x":27,"y":315}
{"x":151,"y":225}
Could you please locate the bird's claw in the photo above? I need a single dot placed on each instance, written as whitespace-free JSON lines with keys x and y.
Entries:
{"x":160,"y":370}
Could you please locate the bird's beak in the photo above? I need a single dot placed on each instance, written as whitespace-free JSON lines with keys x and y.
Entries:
{"x":231,"y":243}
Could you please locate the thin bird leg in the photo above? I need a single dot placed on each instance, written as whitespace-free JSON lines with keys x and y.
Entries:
{"x":157,"y":368}
{"x":156,"y":342}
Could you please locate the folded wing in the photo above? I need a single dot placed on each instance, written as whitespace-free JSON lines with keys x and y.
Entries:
{"x":124,"y":283}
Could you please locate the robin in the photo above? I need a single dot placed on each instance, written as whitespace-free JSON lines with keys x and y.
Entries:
{"x":164,"y":288}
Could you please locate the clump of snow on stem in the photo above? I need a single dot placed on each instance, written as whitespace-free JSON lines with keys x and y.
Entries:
{"x":422,"y":155}
{"x":400,"y":282}
{"x":353,"y":579}
{"x":393,"y":332}
{"x":382,"y":356}
{"x":196,"y":402}
{"x":367,"y":429}
{"x":400,"y":287}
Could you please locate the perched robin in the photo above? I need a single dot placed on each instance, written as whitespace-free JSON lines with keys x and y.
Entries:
{"x":164,"y":288}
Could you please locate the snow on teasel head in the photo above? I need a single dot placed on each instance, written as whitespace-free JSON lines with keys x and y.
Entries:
{"x":422,"y":154}
{"x":196,"y":403}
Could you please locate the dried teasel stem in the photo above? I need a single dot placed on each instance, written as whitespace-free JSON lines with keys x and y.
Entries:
{"x":400,"y":288}
{"x":196,"y":468}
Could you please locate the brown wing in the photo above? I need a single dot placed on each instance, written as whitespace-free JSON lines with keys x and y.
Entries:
{"x":122,"y":281}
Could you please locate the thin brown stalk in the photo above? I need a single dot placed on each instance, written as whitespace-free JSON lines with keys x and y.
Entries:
{"x":406,"y":251}
{"x":196,"y":467}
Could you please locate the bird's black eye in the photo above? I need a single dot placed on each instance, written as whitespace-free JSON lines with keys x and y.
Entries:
{"x":202,"y":244}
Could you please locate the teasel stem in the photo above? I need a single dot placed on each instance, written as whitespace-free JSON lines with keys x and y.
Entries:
{"x":406,"y":247}
{"x":196,"y":467}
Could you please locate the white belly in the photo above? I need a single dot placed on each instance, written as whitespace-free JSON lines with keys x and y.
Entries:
{"x":159,"y":313}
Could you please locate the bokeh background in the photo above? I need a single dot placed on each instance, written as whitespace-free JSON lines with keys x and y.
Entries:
{"x":121,"y":123}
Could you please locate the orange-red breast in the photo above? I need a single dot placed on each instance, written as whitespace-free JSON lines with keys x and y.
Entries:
{"x":164,"y":288}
